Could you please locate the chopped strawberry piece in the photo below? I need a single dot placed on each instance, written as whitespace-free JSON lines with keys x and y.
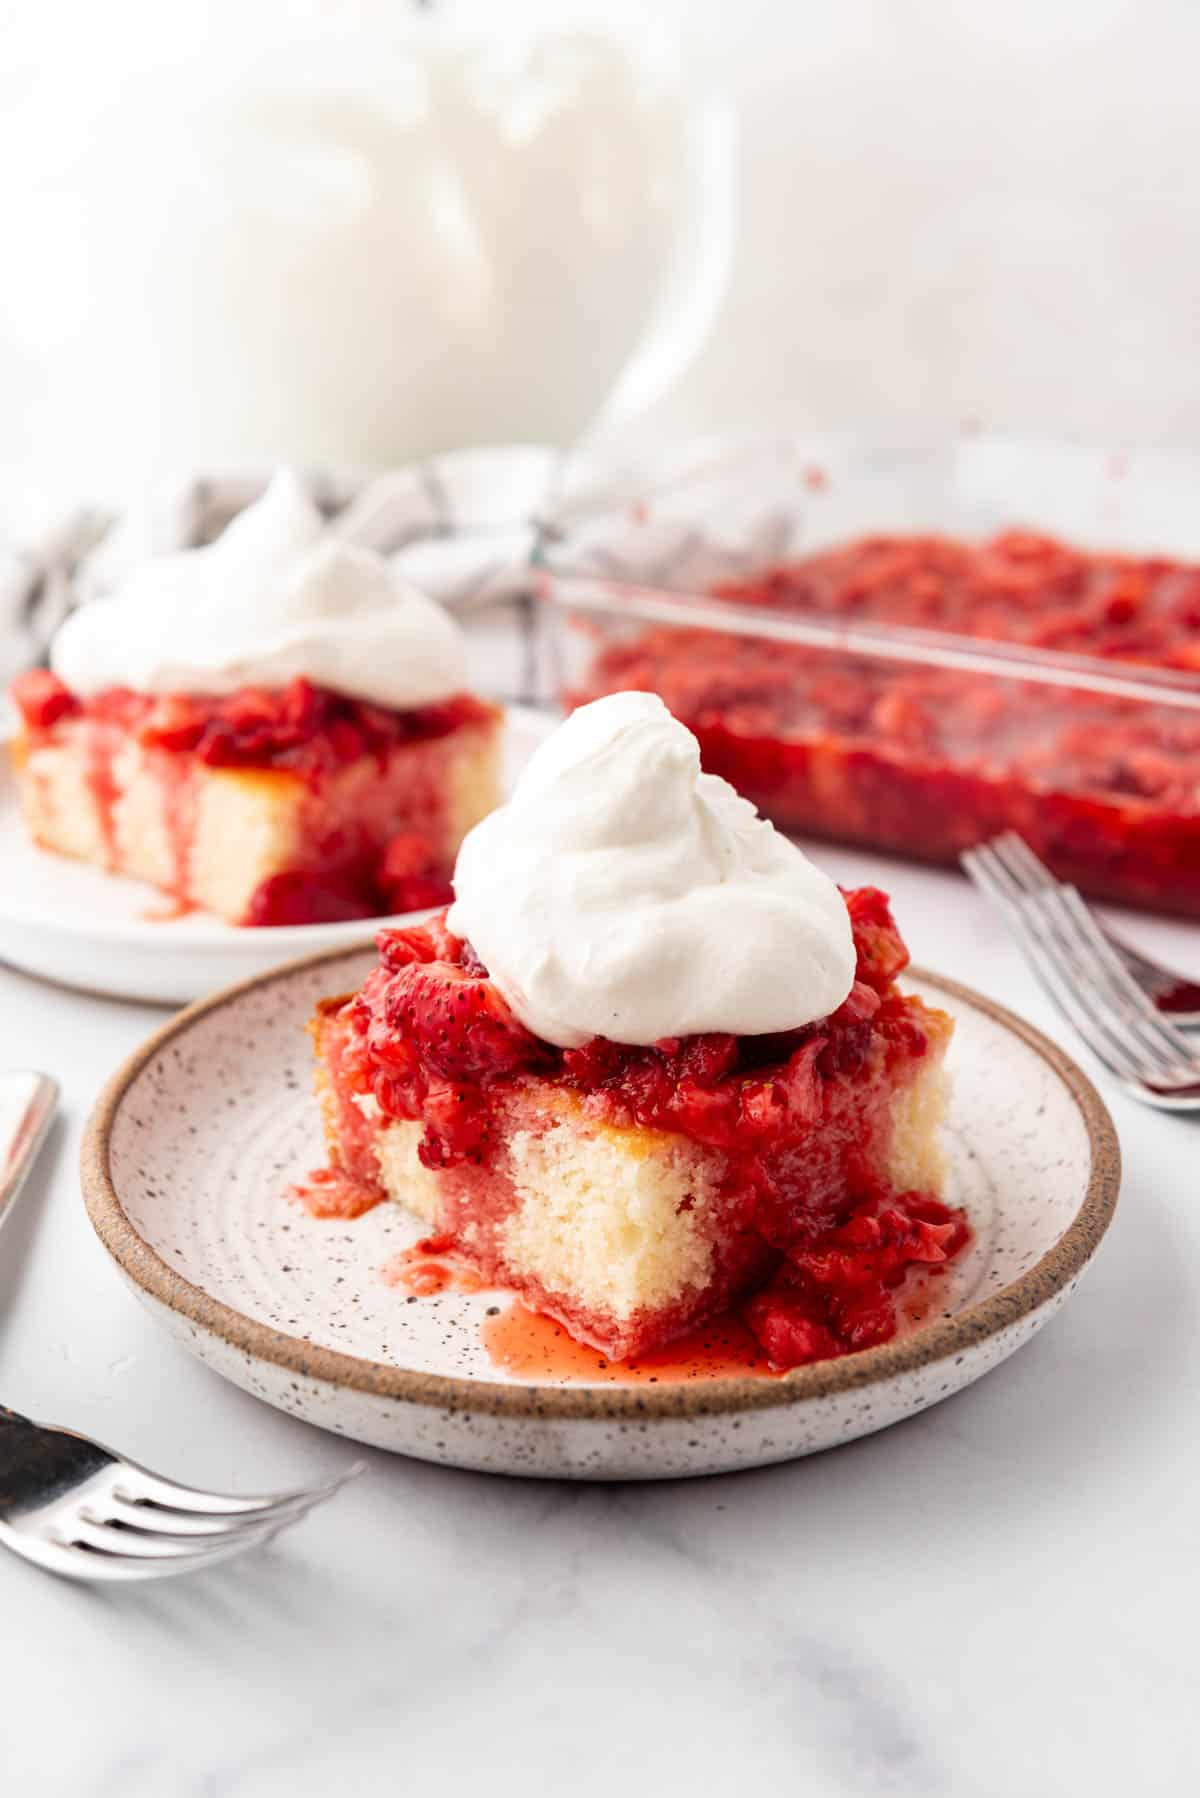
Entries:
{"x":461,"y":1025}
{"x":594,"y":1063}
{"x":710,"y":1057}
{"x":881,"y":951}
{"x":789,"y":1335}
{"x":418,"y":892}
{"x":173,"y":722}
{"x":308,"y":898}
{"x":790,"y":1100}
{"x":849,"y":1031}
{"x":843,"y":1283}
{"x":400,"y":948}
{"x":346,"y":742}
{"x":42,"y":699}
{"x":457,"y":1125}
{"x":471,"y":962}
{"x":864,"y":1319}
{"x":411,"y":876}
{"x":705,"y":1113}
{"x":447,"y":946}
{"x":305,"y":706}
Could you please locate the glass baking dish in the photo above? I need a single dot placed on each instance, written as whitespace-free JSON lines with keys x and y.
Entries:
{"x":826,"y":684}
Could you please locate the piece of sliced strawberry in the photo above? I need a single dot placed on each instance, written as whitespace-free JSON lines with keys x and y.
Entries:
{"x":411,"y":876}
{"x":788,"y":1331}
{"x":400,"y":948}
{"x":173,"y":722}
{"x":308,"y":898}
{"x":878,"y":944}
{"x":42,"y":699}
{"x":461,"y":1024}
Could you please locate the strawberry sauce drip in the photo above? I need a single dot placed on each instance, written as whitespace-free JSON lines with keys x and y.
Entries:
{"x":100,"y":749}
{"x":430,"y":1266}
{"x":331,"y":1192}
{"x":928,"y":761}
{"x":531,"y":1346}
{"x":42,"y":699}
{"x":534,"y":1346}
{"x":1184,"y":995}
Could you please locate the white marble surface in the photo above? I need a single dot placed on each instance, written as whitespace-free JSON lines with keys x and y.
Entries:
{"x":994,"y":1600}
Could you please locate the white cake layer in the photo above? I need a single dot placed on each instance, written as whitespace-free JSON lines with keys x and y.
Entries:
{"x":243,"y":825}
{"x":621,"y":1220}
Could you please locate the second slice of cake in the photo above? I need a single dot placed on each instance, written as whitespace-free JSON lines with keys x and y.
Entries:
{"x":273,"y":728}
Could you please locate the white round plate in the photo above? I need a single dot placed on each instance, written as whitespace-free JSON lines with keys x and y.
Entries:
{"x":71,"y":922}
{"x":195,"y":1140}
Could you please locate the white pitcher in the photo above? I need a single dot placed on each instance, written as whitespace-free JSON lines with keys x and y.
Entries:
{"x":350,"y":234}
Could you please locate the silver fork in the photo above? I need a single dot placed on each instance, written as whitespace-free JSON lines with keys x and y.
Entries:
{"x":1089,"y":982}
{"x":68,"y":1504}
{"x":73,"y":1507}
{"x":1173,"y":994}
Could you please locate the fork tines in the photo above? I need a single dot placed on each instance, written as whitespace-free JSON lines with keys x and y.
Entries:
{"x":1084,"y":975}
{"x":127,"y":1523}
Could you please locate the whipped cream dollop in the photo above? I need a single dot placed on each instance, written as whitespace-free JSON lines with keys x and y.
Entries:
{"x":623,"y":893}
{"x":276,"y":597}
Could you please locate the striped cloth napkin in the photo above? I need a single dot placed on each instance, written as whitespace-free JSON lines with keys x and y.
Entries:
{"x":466,"y":527}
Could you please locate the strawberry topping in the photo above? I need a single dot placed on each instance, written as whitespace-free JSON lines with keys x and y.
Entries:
{"x":42,"y":699}
{"x":798,"y":1116}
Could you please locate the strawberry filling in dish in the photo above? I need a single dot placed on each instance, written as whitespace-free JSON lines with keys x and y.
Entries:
{"x":630,"y":1193}
{"x":929,"y":761}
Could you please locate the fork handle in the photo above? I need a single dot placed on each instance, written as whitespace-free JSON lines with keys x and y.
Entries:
{"x":17,"y":1439}
{"x":37,"y":1463}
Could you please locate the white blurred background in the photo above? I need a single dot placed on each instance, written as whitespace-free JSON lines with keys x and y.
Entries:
{"x":954,"y":210}
{"x":943,"y":211}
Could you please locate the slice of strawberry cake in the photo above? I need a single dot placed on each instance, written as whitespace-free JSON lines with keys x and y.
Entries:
{"x":651,"y":1064}
{"x":273,"y":728}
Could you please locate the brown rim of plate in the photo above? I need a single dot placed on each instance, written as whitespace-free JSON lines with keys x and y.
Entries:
{"x":948,"y":1337}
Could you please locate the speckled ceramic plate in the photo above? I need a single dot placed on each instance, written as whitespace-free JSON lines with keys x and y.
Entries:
{"x":71,"y":922}
{"x":194,"y":1142}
